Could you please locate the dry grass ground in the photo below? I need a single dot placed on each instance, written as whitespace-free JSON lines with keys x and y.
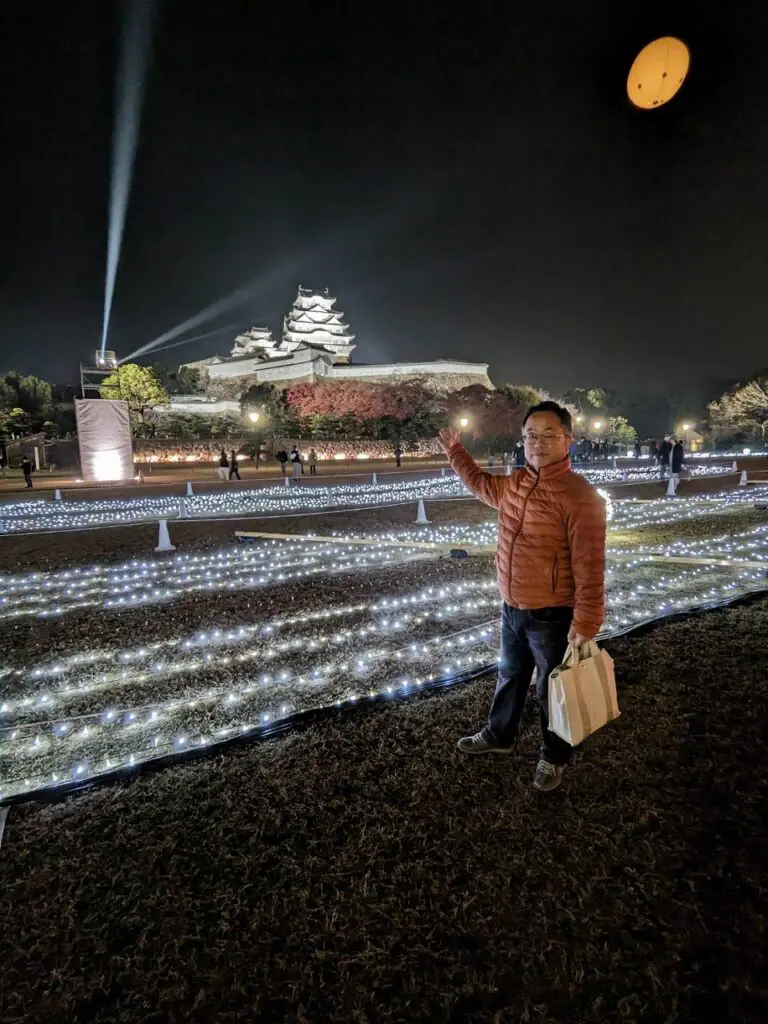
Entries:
{"x":364,"y":871}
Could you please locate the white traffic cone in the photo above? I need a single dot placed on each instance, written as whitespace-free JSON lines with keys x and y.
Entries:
{"x":672,"y":487}
{"x":743,"y":478}
{"x":163,"y":538}
{"x":286,"y":481}
{"x":374,"y":481}
{"x":421,"y":515}
{"x":57,"y":495}
{"x":735,"y":467}
{"x":190,"y":492}
{"x":509,"y":469}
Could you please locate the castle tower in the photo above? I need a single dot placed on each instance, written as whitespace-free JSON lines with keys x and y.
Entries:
{"x":314,"y":322}
{"x":258,"y":341}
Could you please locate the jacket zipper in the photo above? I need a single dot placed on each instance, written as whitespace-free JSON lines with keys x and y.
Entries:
{"x":522,"y":519}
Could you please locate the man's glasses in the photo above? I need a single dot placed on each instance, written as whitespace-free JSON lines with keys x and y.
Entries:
{"x":544,"y":438}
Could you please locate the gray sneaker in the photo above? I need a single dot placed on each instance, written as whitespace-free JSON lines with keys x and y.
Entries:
{"x":478,"y":744}
{"x":548,"y":776}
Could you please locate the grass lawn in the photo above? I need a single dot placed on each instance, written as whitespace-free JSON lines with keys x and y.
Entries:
{"x":365,"y":871}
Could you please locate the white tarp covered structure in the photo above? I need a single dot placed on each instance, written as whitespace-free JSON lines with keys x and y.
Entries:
{"x":104,"y":437}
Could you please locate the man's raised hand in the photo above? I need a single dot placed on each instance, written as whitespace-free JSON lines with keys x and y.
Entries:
{"x":448,"y":437}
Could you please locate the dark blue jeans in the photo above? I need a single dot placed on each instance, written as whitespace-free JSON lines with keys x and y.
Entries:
{"x":529,"y":639}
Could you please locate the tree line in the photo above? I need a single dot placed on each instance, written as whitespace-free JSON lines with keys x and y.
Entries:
{"x":342,"y":410}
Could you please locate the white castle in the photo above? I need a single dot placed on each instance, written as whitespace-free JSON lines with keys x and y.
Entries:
{"x":315,"y":345}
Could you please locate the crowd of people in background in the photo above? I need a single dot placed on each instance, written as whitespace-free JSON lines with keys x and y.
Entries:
{"x":669,"y":455}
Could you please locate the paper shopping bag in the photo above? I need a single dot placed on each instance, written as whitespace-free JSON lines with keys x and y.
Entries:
{"x":582,"y":693}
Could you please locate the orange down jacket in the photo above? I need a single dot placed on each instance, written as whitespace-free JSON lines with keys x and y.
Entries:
{"x":551,"y":548}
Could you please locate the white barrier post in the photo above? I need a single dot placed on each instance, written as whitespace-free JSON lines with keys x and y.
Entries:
{"x":182,"y":509}
{"x":421,"y":515}
{"x":374,"y":480}
{"x":509,"y":469}
{"x":442,"y":472}
{"x":190,"y":492}
{"x":735,"y":467}
{"x":57,"y":495}
{"x":743,"y":478}
{"x":163,"y":538}
{"x":286,"y":481}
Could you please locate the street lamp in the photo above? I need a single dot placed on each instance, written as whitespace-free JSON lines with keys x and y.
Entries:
{"x":598,"y":425}
{"x":463,"y":422}
{"x":253,"y":417}
{"x":685,"y":427}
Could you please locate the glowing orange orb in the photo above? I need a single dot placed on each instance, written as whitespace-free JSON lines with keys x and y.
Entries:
{"x":658,"y":72}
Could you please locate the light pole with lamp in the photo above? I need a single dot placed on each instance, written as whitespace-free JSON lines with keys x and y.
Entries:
{"x":254,"y":417}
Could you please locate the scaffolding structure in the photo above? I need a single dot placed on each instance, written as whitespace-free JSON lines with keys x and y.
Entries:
{"x":92,"y":377}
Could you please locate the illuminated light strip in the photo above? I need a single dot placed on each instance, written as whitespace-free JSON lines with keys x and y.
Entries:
{"x":34,"y":516}
{"x":183,"y":742}
{"x":48,"y":699}
{"x":27,"y":601}
{"x":476,"y":633}
{"x":128,"y":717}
{"x":643,"y":592}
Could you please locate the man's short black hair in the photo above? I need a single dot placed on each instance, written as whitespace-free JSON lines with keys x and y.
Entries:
{"x":562,"y":414}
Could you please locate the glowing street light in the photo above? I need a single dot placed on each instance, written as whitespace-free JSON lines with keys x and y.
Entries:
{"x":598,"y":425}
{"x":253,"y":417}
{"x":464,"y":422}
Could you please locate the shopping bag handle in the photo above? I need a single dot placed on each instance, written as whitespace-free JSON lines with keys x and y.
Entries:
{"x":574,"y":654}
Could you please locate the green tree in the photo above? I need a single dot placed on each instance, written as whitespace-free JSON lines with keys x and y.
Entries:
{"x":619,"y":431}
{"x":163,"y":375}
{"x":523,"y":394}
{"x":30,"y":394}
{"x":741,"y":413}
{"x":138,"y":386}
{"x":187,"y":381}
{"x":177,"y":426}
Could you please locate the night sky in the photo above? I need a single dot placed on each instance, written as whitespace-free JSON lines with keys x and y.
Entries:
{"x":469,"y":180}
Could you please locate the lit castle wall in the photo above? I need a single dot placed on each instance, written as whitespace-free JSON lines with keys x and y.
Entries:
{"x":315,"y":345}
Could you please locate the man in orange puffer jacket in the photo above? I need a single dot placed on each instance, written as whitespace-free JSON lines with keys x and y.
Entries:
{"x":550,"y":564}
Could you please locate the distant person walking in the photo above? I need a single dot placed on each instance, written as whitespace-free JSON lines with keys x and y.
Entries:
{"x":665,"y":456}
{"x":282,"y":458}
{"x":550,"y":567}
{"x":519,"y":455}
{"x":234,"y":468}
{"x":26,"y":469}
{"x":678,"y":454}
{"x":3,"y":461}
{"x":296,"y":464}
{"x":638,"y":449}
{"x":398,"y":456}
{"x":312,"y":462}
{"x":223,"y":465}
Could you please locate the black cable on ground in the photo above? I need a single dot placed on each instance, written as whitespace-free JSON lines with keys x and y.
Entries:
{"x":304,"y":719}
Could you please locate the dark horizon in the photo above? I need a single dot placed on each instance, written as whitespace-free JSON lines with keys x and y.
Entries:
{"x":470,"y":184}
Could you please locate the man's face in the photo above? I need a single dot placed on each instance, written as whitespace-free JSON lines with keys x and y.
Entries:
{"x":546,"y":439}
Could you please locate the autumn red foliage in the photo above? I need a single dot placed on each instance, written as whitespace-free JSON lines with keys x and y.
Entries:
{"x":359,"y":399}
{"x":490,"y":413}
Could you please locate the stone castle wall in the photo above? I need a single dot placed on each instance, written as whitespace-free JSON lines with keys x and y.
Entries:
{"x":438,"y":383}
